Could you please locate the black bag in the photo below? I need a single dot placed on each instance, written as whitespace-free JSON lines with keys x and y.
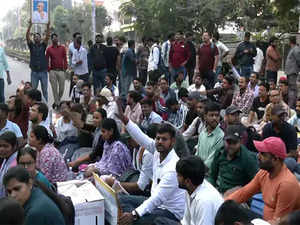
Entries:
{"x":252,"y":136}
{"x":64,"y":203}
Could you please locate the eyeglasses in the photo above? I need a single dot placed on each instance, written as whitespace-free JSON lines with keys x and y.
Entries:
{"x":26,"y":164}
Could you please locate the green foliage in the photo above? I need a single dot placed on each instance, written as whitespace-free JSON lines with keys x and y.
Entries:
{"x":64,"y":22}
{"x":162,"y":16}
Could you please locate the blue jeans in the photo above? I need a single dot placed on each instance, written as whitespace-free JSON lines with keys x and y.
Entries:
{"x":245,"y":71}
{"x":272,"y":75}
{"x":43,"y":78}
{"x":175,"y":71}
{"x":130,"y":202}
{"x":209,"y":79}
{"x":99,"y":79}
{"x":124,"y":84}
{"x":2,"y":98}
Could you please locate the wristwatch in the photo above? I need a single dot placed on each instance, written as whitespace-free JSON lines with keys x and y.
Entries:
{"x":135,"y":215}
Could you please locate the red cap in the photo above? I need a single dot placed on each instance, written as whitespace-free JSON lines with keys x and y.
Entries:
{"x":273,"y":145}
{"x":283,"y":78}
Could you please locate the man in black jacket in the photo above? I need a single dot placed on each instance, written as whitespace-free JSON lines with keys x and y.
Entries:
{"x":244,"y":55}
{"x":99,"y":63}
{"x":191,"y":64}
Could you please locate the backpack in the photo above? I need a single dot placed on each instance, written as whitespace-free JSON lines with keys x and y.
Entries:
{"x":160,"y":66}
{"x":64,"y":203}
{"x":252,"y":136}
{"x":212,"y":48}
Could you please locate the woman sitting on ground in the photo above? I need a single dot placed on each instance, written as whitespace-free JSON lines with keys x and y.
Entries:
{"x":97,"y":149}
{"x":27,"y":158}
{"x":39,"y":208}
{"x":8,"y":153}
{"x":116,"y":157}
{"x":49,"y":161}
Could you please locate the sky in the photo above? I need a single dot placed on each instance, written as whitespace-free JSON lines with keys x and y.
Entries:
{"x":7,"y":5}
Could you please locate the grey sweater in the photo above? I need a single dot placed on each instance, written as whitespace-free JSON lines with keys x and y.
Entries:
{"x":292,"y":64}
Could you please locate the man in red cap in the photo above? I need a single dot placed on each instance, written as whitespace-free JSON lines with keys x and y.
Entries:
{"x":279,"y":187}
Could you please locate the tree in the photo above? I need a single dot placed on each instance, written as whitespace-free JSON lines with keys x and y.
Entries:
{"x":60,"y":22}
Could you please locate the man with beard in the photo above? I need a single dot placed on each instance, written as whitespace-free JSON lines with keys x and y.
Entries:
{"x":280,"y":128}
{"x":243,"y":99}
{"x":295,"y":120}
{"x":198,"y":124}
{"x":167,"y":199}
{"x":203,"y":200}
{"x":211,"y":137}
{"x":38,"y":60}
{"x":279,"y":187}
{"x":230,"y":167}
{"x":176,"y":113}
{"x":259,"y":104}
{"x":38,"y":115}
{"x":192,"y":113}
{"x":149,"y":116}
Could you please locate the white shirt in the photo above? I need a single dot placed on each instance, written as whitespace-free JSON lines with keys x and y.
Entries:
{"x":258,"y":59}
{"x":64,"y":130}
{"x":255,"y":90}
{"x":153,"y":118}
{"x":43,"y":123}
{"x":259,"y":222}
{"x":76,"y":57}
{"x":202,"y":205}
{"x":13,"y":127}
{"x":222,"y":48}
{"x":165,"y":52}
{"x":294,"y":121}
{"x":191,"y":130}
{"x":165,"y":192}
{"x":153,"y":59}
{"x":145,"y":167}
{"x":111,"y":111}
{"x":193,"y":88}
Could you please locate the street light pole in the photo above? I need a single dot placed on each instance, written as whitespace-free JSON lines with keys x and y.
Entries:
{"x":93,"y":20}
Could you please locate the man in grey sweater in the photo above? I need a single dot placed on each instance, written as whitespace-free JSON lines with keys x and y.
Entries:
{"x":292,"y":68}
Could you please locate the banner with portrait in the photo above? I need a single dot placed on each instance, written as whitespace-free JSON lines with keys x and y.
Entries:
{"x":40,"y":11}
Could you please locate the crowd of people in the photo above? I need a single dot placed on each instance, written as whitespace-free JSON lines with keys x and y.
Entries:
{"x":191,"y":138}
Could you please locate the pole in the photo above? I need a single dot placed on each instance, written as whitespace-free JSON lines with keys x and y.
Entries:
{"x":93,"y":20}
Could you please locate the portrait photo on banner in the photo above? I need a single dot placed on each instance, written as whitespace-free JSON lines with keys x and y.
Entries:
{"x":40,"y":11}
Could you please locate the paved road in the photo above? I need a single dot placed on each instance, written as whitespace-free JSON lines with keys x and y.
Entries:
{"x":20,"y":71}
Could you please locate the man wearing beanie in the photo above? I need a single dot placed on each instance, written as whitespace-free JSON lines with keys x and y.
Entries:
{"x":279,"y":187}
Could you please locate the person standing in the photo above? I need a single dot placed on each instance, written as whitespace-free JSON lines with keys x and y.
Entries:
{"x":273,"y":60}
{"x":292,"y":68}
{"x":99,"y":63}
{"x":223,"y":51}
{"x":3,"y":68}
{"x":57,"y":66}
{"x":128,"y":69}
{"x":142,"y":57}
{"x":38,"y":60}
{"x":208,"y":58}
{"x":79,"y":60}
{"x":113,"y":58}
{"x":153,"y":60}
{"x":191,"y":64}
{"x":165,"y":54}
{"x":244,"y":54}
{"x":179,"y":56}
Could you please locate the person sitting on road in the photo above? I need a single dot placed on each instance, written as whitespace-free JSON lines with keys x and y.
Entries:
{"x":116,"y":157}
{"x":280,"y":188}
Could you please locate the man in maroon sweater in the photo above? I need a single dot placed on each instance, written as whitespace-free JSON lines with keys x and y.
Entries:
{"x":208,"y":58}
{"x":179,"y":55}
{"x":57,"y":58}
